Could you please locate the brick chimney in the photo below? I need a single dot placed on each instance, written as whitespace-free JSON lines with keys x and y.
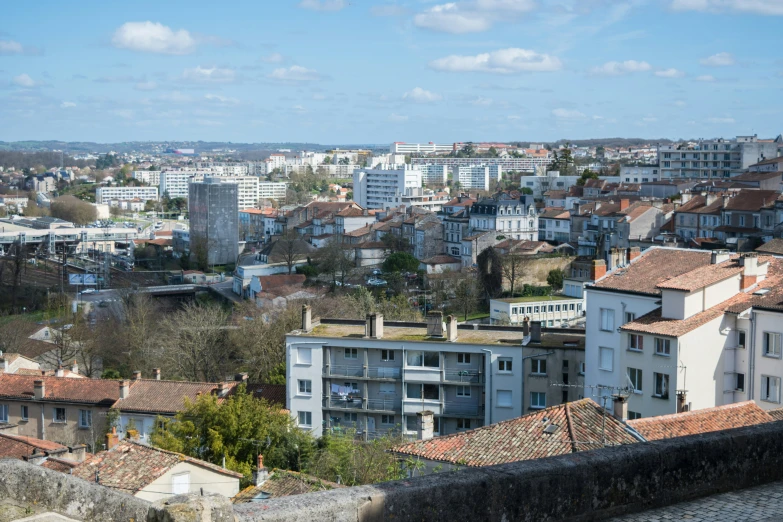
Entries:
{"x":240,"y":377}
{"x":633,"y":253}
{"x":112,"y":439}
{"x":261,"y":474}
{"x":39,"y":389}
{"x":3,"y":364}
{"x":750,"y":270}
{"x":620,"y":408}
{"x":597,"y":269}
{"x":535,"y":332}
{"x":425,"y":425}
{"x":374,"y":326}
{"x":137,"y":375}
{"x":156,"y":373}
{"x":625,"y":203}
{"x":451,"y":328}
{"x":124,"y":389}
{"x":435,"y":324}
{"x":307,"y":318}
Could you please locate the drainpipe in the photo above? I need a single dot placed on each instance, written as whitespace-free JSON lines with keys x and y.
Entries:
{"x":489,"y":385}
{"x":523,"y":374}
{"x":752,"y":357}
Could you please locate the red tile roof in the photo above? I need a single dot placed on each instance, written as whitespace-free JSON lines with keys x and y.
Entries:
{"x":18,"y":446}
{"x":701,"y":421}
{"x":61,"y":465}
{"x":570,"y":428}
{"x":702,"y":276}
{"x":774,"y":246}
{"x":64,"y":389}
{"x":167,"y":397}
{"x":776,"y":414}
{"x":283,"y":484}
{"x":272,"y":393}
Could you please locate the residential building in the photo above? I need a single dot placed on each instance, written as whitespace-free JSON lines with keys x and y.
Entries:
{"x":749,"y":214}
{"x":524,"y":164}
{"x":400,"y":147}
{"x":717,"y":158}
{"x":18,"y":202}
{"x":764,"y":180}
{"x":251,"y":223}
{"x":214,"y":221}
{"x":768,"y":165}
{"x":247,"y":188}
{"x":473,"y":176}
{"x":272,"y":190}
{"x":513,"y":218}
{"x":474,"y":244}
{"x":149,"y":177}
{"x":175,"y":183}
{"x":433,"y":174}
{"x":275,"y":161}
{"x":698,"y":216}
{"x":383,"y":188}
{"x":153,"y":474}
{"x":281,"y":483}
{"x":37,"y":451}
{"x":551,"y":311}
{"x":455,"y":226}
{"x":550,"y":180}
{"x":554,"y":225}
{"x":639,"y":173}
{"x":424,"y":198}
{"x":665,"y":188}
{"x":104,"y":194}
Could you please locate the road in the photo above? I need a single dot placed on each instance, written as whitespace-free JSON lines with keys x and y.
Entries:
{"x":112,"y":305}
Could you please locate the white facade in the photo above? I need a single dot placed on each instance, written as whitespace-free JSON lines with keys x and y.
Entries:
{"x":435,"y":174}
{"x":175,"y":183}
{"x":150,"y":177}
{"x":400,"y":147}
{"x":554,"y":311}
{"x":528,"y":164}
{"x":639,"y":173}
{"x":275,"y":161}
{"x":719,"y":158}
{"x":473,"y":177}
{"x":272,"y":190}
{"x":383,"y":188}
{"x":103,"y":194}
{"x":515,"y":219}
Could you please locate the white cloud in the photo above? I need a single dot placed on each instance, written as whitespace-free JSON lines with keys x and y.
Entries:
{"x":719,"y":60}
{"x":620,"y":68}
{"x":669,"y":73}
{"x":397,"y":118}
{"x":67,"y":104}
{"x":481,"y":101}
{"x":471,"y":16}
{"x":720,"y":120}
{"x":221,"y":99}
{"x":24,"y":80}
{"x":503,"y":61}
{"x":567,"y":114}
{"x":295,"y":73}
{"x":153,"y":37}
{"x":272,"y":58}
{"x":146,"y":86}
{"x":388,"y":10}
{"x":323,"y":5}
{"x":762,"y":7}
{"x":705,"y":78}
{"x":10,"y":47}
{"x":201,"y":74}
{"x":420,"y":95}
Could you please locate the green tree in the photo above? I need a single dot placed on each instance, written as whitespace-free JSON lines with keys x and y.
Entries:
{"x":555,"y":278}
{"x":341,"y":457}
{"x":587,"y":174}
{"x":400,"y":262}
{"x":74,"y":210}
{"x":493,"y":152}
{"x":527,"y":191}
{"x":490,"y":273}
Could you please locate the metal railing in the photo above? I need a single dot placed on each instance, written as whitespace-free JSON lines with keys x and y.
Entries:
{"x":384,"y":404}
{"x":344,"y":371}
{"x":384,"y":372}
{"x":466,"y":376}
{"x":357,"y":403}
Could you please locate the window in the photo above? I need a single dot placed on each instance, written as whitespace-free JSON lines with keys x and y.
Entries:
{"x":551,"y":308}
{"x":351,"y":353}
{"x":24,"y":413}
{"x":305,"y":419}
{"x":635,"y":376}
{"x":59,"y":415}
{"x":538,"y":309}
{"x":387,"y":355}
{"x":607,"y":319}
{"x":504,"y":364}
{"x":504,"y":399}
{"x":537,"y":400}
{"x":538,"y":366}
{"x":581,"y":368}
{"x":661,"y":384}
{"x":426,"y":359}
{"x":351,"y":417}
{"x":180,"y":483}
{"x":85,"y":418}
{"x":636,"y":342}
{"x":606,"y":359}
{"x":771,"y":344}
{"x":423,"y":391}
{"x":3,"y":413}
{"x":739,"y":382}
{"x":564,"y":396}
{"x":387,"y":419}
{"x":557,"y":308}
{"x":741,"y":338}
{"x":463,"y":391}
{"x":463,"y":424}
{"x":663,"y":346}
{"x":634,"y":415}
{"x":463,"y":358}
{"x":411,"y":424}
{"x":386,"y":387}
{"x":630,"y":317}
{"x":304,"y":356}
{"x":770,"y":388}
{"x":306,"y":387}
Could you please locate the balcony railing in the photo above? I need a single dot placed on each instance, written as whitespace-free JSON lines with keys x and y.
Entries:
{"x":344,"y":371}
{"x":373,"y":372}
{"x":466,"y":376}
{"x":384,"y":372}
{"x":384,"y":404}
{"x":357,"y":403}
{"x":465,"y":410}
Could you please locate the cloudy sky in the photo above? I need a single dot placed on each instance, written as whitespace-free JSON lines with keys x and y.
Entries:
{"x":363,"y":71}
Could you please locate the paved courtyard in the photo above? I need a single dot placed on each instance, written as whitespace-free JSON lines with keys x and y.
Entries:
{"x":762,"y":503}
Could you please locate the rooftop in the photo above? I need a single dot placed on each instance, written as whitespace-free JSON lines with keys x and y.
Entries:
{"x":774,"y":246}
{"x":283,"y":484}
{"x":702,"y":276}
{"x":89,"y":391}
{"x":152,"y":395}
{"x":536,"y":299}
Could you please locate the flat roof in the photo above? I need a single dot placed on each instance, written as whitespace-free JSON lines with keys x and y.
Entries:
{"x":537,"y":298}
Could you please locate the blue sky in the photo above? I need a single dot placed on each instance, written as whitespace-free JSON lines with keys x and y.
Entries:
{"x":361,"y":71}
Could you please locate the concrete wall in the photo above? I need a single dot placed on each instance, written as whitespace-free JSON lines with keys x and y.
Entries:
{"x":534,"y":269}
{"x":199,"y":479}
{"x":579,"y":487}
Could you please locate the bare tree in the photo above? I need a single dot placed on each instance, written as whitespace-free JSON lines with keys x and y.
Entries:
{"x":138,"y":336}
{"x":19,"y":258}
{"x":511,"y":264}
{"x":291,"y":248}
{"x":335,"y":258}
{"x":466,"y":296}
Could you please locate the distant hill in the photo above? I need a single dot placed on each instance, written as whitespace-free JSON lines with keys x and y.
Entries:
{"x":152,"y":147}
{"x":614,"y":142}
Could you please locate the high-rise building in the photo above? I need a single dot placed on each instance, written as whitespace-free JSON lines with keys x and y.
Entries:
{"x":214,"y":221}
{"x":272,"y":190}
{"x":175,"y":183}
{"x":383,"y":188}
{"x":719,"y":158}
{"x":435,"y":174}
{"x":482,"y":177}
{"x":103,"y":194}
{"x":150,"y":177}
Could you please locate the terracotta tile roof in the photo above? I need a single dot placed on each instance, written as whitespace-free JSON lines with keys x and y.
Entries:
{"x":130,"y":467}
{"x":654,"y":266}
{"x":654,"y":323}
{"x":61,"y":465}
{"x":370,"y":244}
{"x":554,"y":213}
{"x":271,"y":282}
{"x":168,"y":397}
{"x":776,"y":414}
{"x":273,"y":393}
{"x":702,"y":276}
{"x":774,"y":246}
{"x":359,"y":232}
{"x":573,"y":427}
{"x":18,"y":446}
{"x":61,"y":389}
{"x":701,"y":421}
{"x":283,"y":484}
{"x":441,"y":260}
{"x":750,"y":200}
{"x":351,"y":212}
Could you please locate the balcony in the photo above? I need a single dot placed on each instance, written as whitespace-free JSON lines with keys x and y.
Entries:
{"x":384,"y":372}
{"x":382,"y":405}
{"x":373,"y":372}
{"x":455,"y":409}
{"x":412,"y":406}
{"x":453,"y":375}
{"x":343,"y":371}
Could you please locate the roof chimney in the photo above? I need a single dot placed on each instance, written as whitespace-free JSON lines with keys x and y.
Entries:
{"x":719,"y":256}
{"x":137,"y":375}
{"x":60,"y":372}
{"x":620,"y":408}
{"x":525,"y":327}
{"x":156,"y":373}
{"x":111,"y":438}
{"x":425,"y":425}
{"x":307,"y":318}
{"x":624,"y":203}
{"x":261,"y":474}
{"x":535,"y":332}
{"x":124,"y":389}
{"x":374,"y":326}
{"x":240,"y":377}
{"x":597,"y":269}
{"x":3,"y":364}
{"x":435,"y":324}
{"x":451,"y":328}
{"x":750,"y":269}
{"x":39,"y":389}
{"x":75,"y":367}
{"x":633,"y":253}
{"x":222,"y":389}
{"x":681,"y":406}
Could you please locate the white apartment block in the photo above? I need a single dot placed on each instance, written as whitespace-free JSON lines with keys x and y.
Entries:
{"x":719,"y":158}
{"x":639,"y":173}
{"x":686,"y":329}
{"x":435,"y":174}
{"x":272,"y":190}
{"x":482,"y":177}
{"x":150,"y":177}
{"x":247,"y":193}
{"x":175,"y":183}
{"x":528,"y":164}
{"x":400,"y":147}
{"x":105,"y":194}
{"x":551,"y":311}
{"x":514,"y":218}
{"x":383,"y":188}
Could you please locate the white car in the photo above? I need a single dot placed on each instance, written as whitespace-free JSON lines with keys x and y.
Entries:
{"x":88,"y":291}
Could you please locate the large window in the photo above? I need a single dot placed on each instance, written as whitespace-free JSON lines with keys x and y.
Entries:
{"x":635,"y":376}
{"x":304,"y":356}
{"x":661,"y":382}
{"x":305,"y":387}
{"x":59,"y":415}
{"x":636,"y":342}
{"x":770,"y":388}
{"x":537,"y":400}
{"x":607,"y":319}
{"x":387,"y":355}
{"x":463,"y":358}
{"x":771,"y":344}
{"x":425,"y":359}
{"x":463,"y":424}
{"x":387,"y":419}
{"x":538,"y":366}
{"x":351,"y":353}
{"x":504,"y":364}
{"x":663,"y":346}
{"x":504,"y":399}
{"x":305,"y":419}
{"x":606,"y":359}
{"x":463,"y":391}
{"x":423,"y":391}
{"x":85,"y":418}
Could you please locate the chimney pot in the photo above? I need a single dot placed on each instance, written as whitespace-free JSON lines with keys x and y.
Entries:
{"x":60,"y":372}
{"x":39,"y":389}
{"x":137,"y":375}
{"x":425,"y":425}
{"x":597,"y":269}
{"x":262,"y":474}
{"x":111,"y":438}
{"x":156,"y":373}
{"x":307,"y":318}
{"x":620,"y":408}
{"x":451,"y":328}
{"x":124,"y":389}
{"x":435,"y":324}
{"x":75,"y":367}
{"x":525,"y":327}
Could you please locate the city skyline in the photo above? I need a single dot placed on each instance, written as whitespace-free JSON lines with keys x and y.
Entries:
{"x":335,"y":71}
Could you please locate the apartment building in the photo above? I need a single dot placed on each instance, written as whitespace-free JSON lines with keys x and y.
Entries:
{"x":247,"y":189}
{"x":481,"y":177}
{"x":749,"y":214}
{"x":524,"y":164}
{"x":551,"y":311}
{"x":272,"y":190}
{"x":718,"y":158}
{"x":686,"y":329}
{"x":434,"y":174}
{"x":639,"y":173}
{"x":554,"y":224}
{"x":400,"y":147}
{"x":455,"y":226}
{"x":214,"y":221}
{"x":150,"y":177}
{"x":514,"y":218}
{"x":275,"y":161}
{"x":768,"y":165}
{"x":698,"y":216}
{"x":175,"y":183}
{"x":376,"y":377}
{"x":104,"y":194}
{"x":384,"y":188}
